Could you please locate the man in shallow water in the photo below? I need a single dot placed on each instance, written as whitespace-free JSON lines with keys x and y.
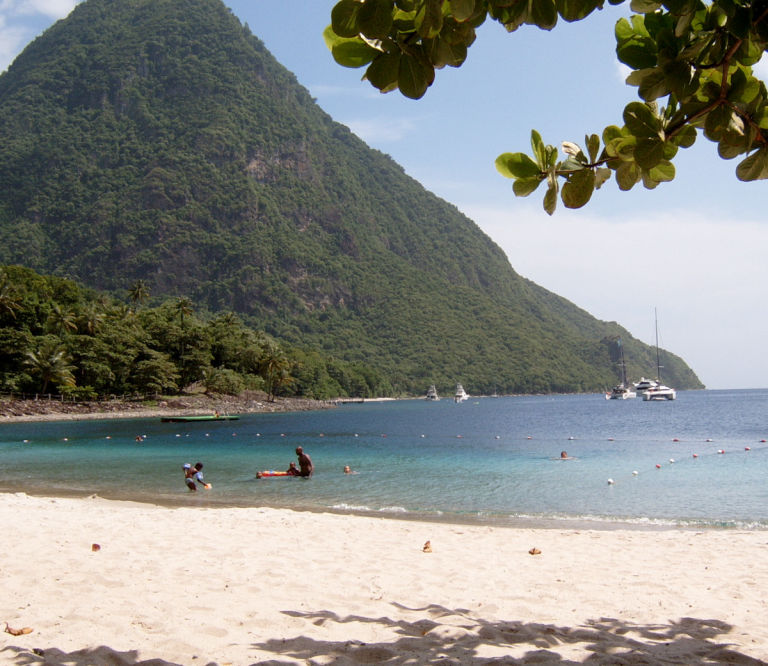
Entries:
{"x":305,"y":463}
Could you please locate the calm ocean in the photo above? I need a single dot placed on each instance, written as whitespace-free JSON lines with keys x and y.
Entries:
{"x":491,"y":460}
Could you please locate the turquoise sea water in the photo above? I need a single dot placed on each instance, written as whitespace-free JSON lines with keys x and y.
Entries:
{"x":487,"y":459}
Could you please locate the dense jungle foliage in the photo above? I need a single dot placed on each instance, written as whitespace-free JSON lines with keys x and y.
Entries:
{"x":58,"y":337}
{"x":159,"y":141}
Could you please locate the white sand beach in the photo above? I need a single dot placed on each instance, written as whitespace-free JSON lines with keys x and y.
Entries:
{"x":244,"y":586}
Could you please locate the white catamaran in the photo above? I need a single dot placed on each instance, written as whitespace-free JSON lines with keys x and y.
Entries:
{"x":659,"y":391}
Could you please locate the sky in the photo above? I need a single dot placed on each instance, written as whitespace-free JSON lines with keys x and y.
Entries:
{"x":692,"y":250}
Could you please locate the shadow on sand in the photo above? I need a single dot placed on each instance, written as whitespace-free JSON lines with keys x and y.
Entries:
{"x":444,"y":636}
{"x":447,"y":636}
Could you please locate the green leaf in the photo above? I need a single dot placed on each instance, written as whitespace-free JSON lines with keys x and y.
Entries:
{"x":649,"y":152}
{"x":593,"y":146}
{"x":517,"y":165}
{"x":429,"y":19}
{"x":651,"y":82}
{"x":442,"y":52}
{"x":644,"y":6}
{"x":578,"y":189}
{"x":755,"y":167}
{"x":575,"y":10}
{"x":686,"y":137}
{"x":462,"y":9}
{"x":732,"y":146}
{"x":640,"y":120}
{"x":550,"y":199}
{"x":383,"y":72}
{"x":539,"y":149}
{"x":717,"y":121}
{"x":353,"y":53}
{"x":374,"y":18}
{"x":344,"y":18}
{"x":627,"y":174}
{"x":663,"y":172}
{"x":524,"y":186}
{"x":601,"y":176}
{"x":543,"y":14}
{"x":637,"y":53}
{"x":680,"y":79}
{"x":414,"y":76}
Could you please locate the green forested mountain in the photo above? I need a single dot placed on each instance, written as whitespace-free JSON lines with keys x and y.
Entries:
{"x":158,"y":140}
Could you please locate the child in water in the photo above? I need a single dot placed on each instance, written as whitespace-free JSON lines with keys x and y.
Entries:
{"x":192,"y":474}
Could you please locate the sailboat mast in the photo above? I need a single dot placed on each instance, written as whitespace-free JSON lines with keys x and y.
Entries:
{"x":658,"y":364}
{"x":623,"y":365}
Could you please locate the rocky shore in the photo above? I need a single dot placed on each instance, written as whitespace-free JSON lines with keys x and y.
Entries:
{"x":249,"y":402}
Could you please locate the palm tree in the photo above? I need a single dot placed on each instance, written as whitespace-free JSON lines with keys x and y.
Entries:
{"x":91,"y":318}
{"x":10,"y":302}
{"x":275,"y":370}
{"x":139,"y":293}
{"x":51,"y":364}
{"x":60,"y":321}
{"x":183,"y":307}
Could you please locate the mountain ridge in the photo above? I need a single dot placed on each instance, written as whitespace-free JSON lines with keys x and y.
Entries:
{"x":161,"y":141}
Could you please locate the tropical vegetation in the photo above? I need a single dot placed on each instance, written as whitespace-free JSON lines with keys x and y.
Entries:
{"x":59,"y":337}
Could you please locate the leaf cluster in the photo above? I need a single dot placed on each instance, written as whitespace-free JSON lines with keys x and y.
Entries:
{"x":695,"y":56}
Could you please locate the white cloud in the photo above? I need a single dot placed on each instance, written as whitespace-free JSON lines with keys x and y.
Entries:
{"x":12,"y":40}
{"x":54,"y":9}
{"x":381,"y":130}
{"x":22,"y":20}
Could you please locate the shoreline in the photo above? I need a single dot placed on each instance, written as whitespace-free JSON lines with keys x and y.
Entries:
{"x":250,"y":402}
{"x":127,"y":582}
{"x":526,"y":522}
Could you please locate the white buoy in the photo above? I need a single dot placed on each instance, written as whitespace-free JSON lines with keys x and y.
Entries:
{"x":672,"y":460}
{"x":634,"y":473}
{"x":610,"y":482}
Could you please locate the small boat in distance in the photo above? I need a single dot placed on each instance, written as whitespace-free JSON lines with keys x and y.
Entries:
{"x":644,"y":384}
{"x":621,"y":391}
{"x":461,"y":394}
{"x":432,"y":393}
{"x":200,"y":417}
{"x":659,"y":391}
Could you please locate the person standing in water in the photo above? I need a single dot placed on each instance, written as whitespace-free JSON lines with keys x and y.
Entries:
{"x":192,"y":474}
{"x":305,"y":463}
